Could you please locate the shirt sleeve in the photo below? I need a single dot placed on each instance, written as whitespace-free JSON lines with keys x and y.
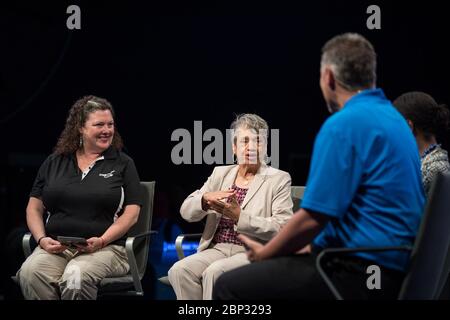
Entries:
{"x":191,"y":210}
{"x":335,"y":173}
{"x":131,"y":185}
{"x":40,"y":180}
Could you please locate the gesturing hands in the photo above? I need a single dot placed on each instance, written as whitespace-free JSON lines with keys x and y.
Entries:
{"x":214,"y":201}
{"x":216,"y":195}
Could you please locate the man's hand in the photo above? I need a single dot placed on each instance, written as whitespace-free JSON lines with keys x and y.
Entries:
{"x":305,"y":250}
{"x":93,"y":244}
{"x":208,"y":197}
{"x":254,"y":248}
{"x":231,"y":210}
{"x":51,"y":246}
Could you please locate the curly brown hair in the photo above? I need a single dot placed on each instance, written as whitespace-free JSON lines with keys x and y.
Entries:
{"x":424,"y":112}
{"x":69,"y":140}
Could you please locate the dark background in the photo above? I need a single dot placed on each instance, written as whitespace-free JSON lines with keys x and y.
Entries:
{"x":165,"y":64}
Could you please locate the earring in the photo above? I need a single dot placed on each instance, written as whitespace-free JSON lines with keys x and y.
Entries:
{"x":81,"y":141}
{"x":234,"y":158}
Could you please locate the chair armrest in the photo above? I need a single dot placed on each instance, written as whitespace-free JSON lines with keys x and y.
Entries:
{"x":130,"y":244}
{"x":143,"y":235}
{"x":179,"y":243}
{"x":26,"y":244}
{"x":180,"y":253}
{"x":340,"y":251}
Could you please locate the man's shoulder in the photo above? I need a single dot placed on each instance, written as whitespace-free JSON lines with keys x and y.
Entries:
{"x":336,"y":123}
{"x":350,"y":120}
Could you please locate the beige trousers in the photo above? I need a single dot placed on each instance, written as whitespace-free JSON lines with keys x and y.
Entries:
{"x":69,"y":275}
{"x":193,"y":277}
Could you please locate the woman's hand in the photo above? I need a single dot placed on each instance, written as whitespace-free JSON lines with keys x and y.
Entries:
{"x":51,"y":246}
{"x":93,"y":244}
{"x":254,"y":248}
{"x":232,"y":209}
{"x":209,"y":197}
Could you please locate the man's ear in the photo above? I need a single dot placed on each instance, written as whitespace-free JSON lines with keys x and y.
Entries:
{"x":331,"y":80}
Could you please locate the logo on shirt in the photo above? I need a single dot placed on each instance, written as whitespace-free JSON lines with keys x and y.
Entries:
{"x":107,"y":175}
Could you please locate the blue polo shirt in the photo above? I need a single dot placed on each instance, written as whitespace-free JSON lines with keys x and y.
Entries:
{"x":365,"y":175}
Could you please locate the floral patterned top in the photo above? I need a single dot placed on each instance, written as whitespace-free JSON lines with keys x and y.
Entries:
{"x":225,"y":232}
{"x":432,"y":163}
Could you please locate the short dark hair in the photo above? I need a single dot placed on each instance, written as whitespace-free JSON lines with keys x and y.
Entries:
{"x":69,"y":140}
{"x":352,"y":59}
{"x":424,"y":112}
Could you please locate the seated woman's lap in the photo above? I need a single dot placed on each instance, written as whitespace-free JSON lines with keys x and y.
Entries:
{"x":109,"y":261}
{"x":218,"y":256}
{"x":46,"y":264}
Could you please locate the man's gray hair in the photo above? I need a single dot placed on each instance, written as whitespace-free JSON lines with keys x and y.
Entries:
{"x":249,"y":121}
{"x":352,"y":59}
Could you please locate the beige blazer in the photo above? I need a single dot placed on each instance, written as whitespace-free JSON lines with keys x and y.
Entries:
{"x":265,"y":209}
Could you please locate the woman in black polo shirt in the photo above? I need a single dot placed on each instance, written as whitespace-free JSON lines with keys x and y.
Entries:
{"x":89,"y":189}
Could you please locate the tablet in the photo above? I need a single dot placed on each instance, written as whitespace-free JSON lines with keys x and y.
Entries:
{"x":72,"y":241}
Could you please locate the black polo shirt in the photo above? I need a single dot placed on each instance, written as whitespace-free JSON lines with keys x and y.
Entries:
{"x":86,"y":207}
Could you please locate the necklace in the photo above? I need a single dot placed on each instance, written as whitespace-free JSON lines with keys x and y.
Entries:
{"x":246,"y":181}
{"x":430,"y":149}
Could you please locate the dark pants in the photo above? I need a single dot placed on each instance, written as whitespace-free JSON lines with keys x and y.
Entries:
{"x":296,"y":277}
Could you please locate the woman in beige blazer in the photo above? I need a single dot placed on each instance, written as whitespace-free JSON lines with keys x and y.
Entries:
{"x":248,"y":198}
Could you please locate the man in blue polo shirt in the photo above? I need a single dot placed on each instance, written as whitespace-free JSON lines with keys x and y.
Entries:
{"x":364,"y":190}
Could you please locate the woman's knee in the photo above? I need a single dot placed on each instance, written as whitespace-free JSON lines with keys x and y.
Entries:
{"x":80,"y":272}
{"x":179,"y":269}
{"x":214,"y":270}
{"x":28,"y":272}
{"x":35,"y":269}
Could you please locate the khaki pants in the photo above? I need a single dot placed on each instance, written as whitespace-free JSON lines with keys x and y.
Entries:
{"x":193,"y":277}
{"x":69,"y":275}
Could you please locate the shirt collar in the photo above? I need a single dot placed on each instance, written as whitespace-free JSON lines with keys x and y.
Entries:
{"x":376,"y":93}
{"x":110,"y":153}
